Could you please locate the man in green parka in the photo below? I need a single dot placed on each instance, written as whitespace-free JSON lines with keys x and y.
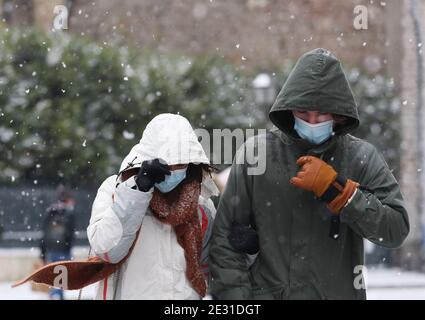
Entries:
{"x":322,"y":193}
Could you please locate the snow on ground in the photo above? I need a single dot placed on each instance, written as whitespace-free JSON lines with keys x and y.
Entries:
{"x":382,"y":284}
{"x":394,"y":284}
{"x":396,"y":294}
{"x":24,"y":292}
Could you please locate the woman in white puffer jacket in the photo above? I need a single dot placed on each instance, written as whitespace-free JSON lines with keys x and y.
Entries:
{"x":167,"y":158}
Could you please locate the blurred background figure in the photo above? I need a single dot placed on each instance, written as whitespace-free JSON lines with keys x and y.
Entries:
{"x":58,"y":232}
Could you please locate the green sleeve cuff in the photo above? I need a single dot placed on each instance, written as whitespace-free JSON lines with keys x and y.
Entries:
{"x":356,"y":209}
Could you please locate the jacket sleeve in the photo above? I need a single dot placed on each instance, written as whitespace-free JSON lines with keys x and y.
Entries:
{"x":229,"y":269}
{"x":377,"y":211}
{"x":117,"y":215}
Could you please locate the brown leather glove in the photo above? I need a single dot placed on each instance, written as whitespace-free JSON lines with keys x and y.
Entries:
{"x":320,"y":178}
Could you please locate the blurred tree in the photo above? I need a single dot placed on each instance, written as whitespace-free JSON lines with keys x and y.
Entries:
{"x":71,"y":109}
{"x":379,"y":110}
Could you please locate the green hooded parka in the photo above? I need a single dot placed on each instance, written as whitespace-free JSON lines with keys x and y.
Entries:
{"x":297,"y":258}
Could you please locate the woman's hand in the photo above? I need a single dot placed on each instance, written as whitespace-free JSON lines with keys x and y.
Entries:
{"x":151,"y":172}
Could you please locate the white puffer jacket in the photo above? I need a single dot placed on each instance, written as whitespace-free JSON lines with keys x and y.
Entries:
{"x":156,"y":266}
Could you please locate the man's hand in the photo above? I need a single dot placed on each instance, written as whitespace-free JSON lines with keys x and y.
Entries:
{"x":151,"y":172}
{"x":320,"y":178}
{"x":315,"y":175}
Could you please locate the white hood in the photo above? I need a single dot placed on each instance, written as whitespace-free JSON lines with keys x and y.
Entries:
{"x":170,"y":137}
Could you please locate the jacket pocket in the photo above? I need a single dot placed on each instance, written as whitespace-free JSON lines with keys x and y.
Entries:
{"x":271,"y":293}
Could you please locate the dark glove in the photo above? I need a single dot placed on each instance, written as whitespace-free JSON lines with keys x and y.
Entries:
{"x":244,"y":238}
{"x":151,"y":172}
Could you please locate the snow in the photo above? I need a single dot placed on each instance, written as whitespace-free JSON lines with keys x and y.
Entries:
{"x":262,"y":80}
{"x":395,"y":284}
{"x":24,"y":292}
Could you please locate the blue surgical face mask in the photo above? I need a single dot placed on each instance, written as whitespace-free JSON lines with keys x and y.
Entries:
{"x":172,"y":180}
{"x":314,"y":133}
